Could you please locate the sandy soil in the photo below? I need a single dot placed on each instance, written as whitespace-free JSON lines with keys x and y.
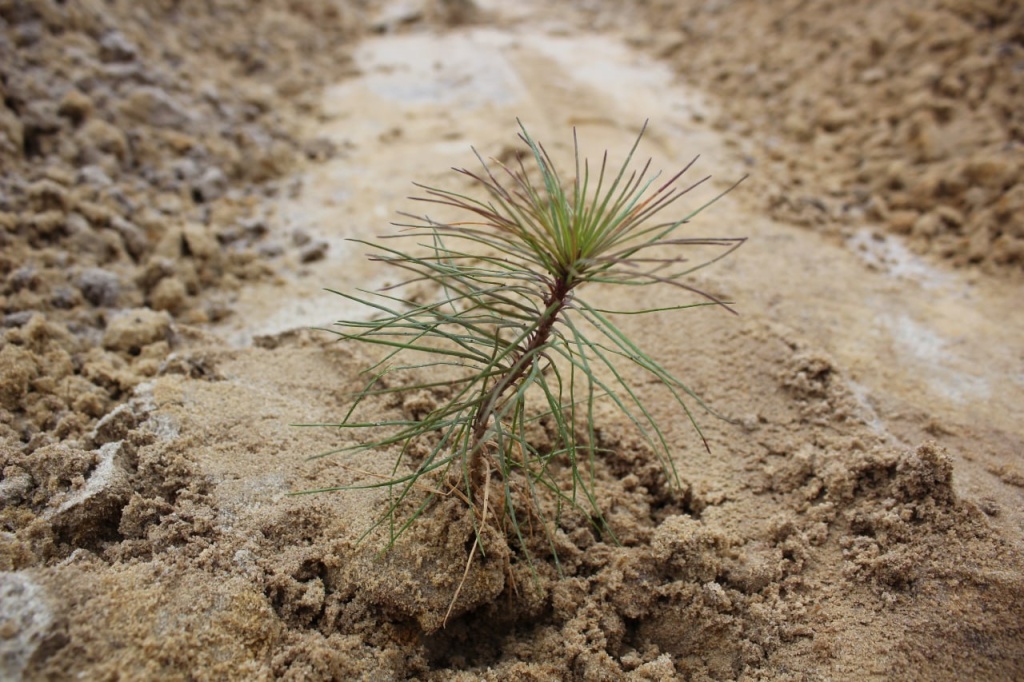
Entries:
{"x":178,"y":185}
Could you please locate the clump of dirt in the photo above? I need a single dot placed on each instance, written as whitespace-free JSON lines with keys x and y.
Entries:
{"x":119,"y":492}
{"x":134,"y":179}
{"x":755,"y":562}
{"x":909,"y":116}
{"x":60,"y":378}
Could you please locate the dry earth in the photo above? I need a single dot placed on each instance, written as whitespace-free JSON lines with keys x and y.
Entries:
{"x":178,"y":183}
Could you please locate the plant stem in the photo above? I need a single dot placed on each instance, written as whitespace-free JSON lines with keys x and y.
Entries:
{"x":554,"y":303}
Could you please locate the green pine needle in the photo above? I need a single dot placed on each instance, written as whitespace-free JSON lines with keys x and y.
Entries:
{"x":514,"y":342}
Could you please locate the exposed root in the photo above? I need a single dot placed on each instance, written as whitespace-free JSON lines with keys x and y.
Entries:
{"x":476,"y":544}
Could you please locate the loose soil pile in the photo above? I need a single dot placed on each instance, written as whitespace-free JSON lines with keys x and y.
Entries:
{"x":851,"y":519}
{"x":907,"y":114}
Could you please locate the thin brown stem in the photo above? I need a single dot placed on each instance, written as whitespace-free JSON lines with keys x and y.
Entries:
{"x":554,"y":303}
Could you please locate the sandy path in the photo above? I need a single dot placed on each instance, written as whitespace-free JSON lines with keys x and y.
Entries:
{"x":910,"y":353}
{"x":861,"y":513}
{"x":927,"y":350}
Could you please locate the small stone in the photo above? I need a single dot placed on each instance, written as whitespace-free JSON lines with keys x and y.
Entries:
{"x":76,"y":106}
{"x":62,"y":176}
{"x":155,"y":107}
{"x":100,"y":287}
{"x":902,"y":221}
{"x":271,"y":250}
{"x":25,"y":277}
{"x":16,"y":486}
{"x":95,"y":214}
{"x":47,"y":195}
{"x":29,"y":623}
{"x":320,"y":149}
{"x":993,"y":172}
{"x":99,"y":502}
{"x":396,"y":13}
{"x":65,"y":298}
{"x":928,"y":225}
{"x":925,"y":140}
{"x":47,"y":225}
{"x":313,"y":252}
{"x":28,"y":33}
{"x":156,"y":269}
{"x":211,"y":185}
{"x":18,"y":319}
{"x":102,"y":136}
{"x":17,"y":370}
{"x":12,"y":132}
{"x":833,"y":116}
{"x":115,"y":47}
{"x":41,"y":116}
{"x":255,"y":227}
{"x":169,"y":294}
{"x":179,"y":142}
{"x":873,"y":75}
{"x":133,"y":329}
{"x":168,"y":202}
{"x":950,"y":216}
{"x":93,"y":403}
{"x":795,"y":125}
{"x":201,"y":242}
{"x":93,"y":175}
{"x":976,"y":198}
{"x":135,"y":241}
{"x":184,"y":169}
{"x":979,"y":245}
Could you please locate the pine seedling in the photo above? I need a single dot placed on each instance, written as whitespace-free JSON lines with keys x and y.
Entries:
{"x":511,"y":342}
